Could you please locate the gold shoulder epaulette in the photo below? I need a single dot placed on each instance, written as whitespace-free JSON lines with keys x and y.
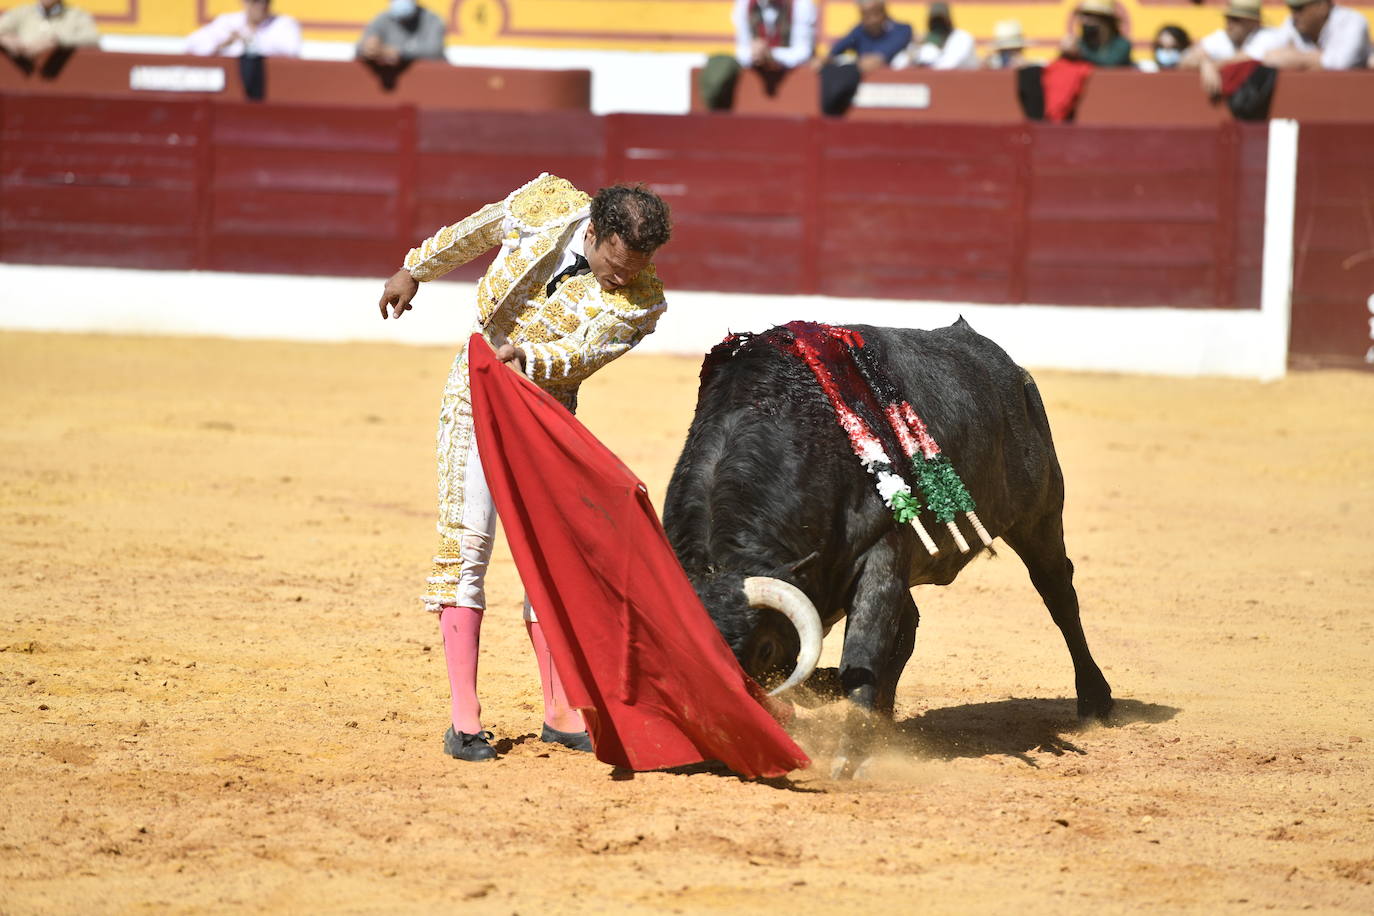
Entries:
{"x":546,"y":201}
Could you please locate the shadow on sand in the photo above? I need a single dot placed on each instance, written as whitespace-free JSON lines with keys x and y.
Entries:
{"x":1012,"y":728}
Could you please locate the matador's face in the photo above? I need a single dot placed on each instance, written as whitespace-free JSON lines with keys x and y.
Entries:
{"x":613,"y":263}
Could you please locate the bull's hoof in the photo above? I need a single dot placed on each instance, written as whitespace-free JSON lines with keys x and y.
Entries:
{"x":843,"y":767}
{"x":823,"y":686}
{"x":1096,"y":707}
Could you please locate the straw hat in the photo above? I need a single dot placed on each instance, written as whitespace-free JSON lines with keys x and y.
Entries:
{"x":1098,"y":7}
{"x":1242,"y":9}
{"x":1006,"y":36}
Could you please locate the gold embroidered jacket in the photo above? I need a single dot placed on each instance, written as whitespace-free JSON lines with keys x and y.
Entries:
{"x":566,"y":336}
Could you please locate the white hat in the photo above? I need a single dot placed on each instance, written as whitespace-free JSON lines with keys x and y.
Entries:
{"x":1006,"y":36}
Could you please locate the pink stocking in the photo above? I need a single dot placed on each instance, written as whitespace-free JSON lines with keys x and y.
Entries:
{"x":557,"y":713}
{"x":461,"y":628}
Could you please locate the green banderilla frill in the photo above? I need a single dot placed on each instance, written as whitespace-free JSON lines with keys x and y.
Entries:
{"x":905,"y":507}
{"x":944,"y":492}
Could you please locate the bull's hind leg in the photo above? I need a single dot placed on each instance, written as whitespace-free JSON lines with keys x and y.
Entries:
{"x":879,"y":636}
{"x":1041,"y":547}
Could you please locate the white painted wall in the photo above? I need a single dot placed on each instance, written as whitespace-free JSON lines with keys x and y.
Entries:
{"x":1157,"y":340}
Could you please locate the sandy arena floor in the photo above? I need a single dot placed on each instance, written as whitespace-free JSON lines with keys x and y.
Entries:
{"x":217,"y":692}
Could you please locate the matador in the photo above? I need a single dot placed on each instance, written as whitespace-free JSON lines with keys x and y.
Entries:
{"x":571,"y":288}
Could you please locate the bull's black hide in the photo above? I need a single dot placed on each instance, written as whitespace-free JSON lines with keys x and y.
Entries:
{"x":767,"y":485}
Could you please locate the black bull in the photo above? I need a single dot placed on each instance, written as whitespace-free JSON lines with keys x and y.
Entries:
{"x":768,"y":486}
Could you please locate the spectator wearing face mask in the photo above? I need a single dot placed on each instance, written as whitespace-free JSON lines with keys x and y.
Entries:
{"x":1008,"y":47}
{"x":255,"y":31}
{"x":1317,"y":35}
{"x":404,"y":31}
{"x":944,"y":47}
{"x":1171,"y":44}
{"x":1099,"y":40}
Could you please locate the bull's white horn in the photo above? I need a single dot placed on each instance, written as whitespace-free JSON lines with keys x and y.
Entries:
{"x":792,"y":603}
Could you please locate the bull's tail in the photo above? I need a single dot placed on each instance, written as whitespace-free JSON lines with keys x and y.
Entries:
{"x":1035,"y":406}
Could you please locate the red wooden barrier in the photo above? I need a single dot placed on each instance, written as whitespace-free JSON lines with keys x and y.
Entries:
{"x":1110,"y":216}
{"x":108,"y":182}
{"x":1111,"y":98}
{"x":424,"y":84}
{"x":1333,"y":266}
{"x":465,"y":160}
{"x":1020,"y":213}
{"x":1143,"y":217}
{"x":313,"y":190}
{"x":1128,"y":97}
{"x":949,"y":97}
{"x":738,"y":191}
{"x":921,"y":212}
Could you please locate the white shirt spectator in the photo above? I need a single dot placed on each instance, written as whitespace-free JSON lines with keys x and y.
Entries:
{"x":1343,"y":42}
{"x":801,"y":44}
{"x":959,"y":52}
{"x":275,"y":36}
{"x":1220,"y":48}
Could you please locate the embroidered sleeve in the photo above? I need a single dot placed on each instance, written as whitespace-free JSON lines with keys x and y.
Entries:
{"x":455,"y":245}
{"x":612,"y":329}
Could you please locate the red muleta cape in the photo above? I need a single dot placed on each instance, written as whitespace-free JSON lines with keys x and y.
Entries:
{"x":635,"y":648}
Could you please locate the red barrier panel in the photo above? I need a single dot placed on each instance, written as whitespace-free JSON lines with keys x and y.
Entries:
{"x":1325,"y":96}
{"x":465,"y":160}
{"x":1333,"y":257}
{"x":297,"y":189}
{"x":922,"y":212}
{"x":738,"y":192}
{"x":1116,"y":98}
{"x":106,"y":182}
{"x":424,"y":83}
{"x":944,"y":96}
{"x":1129,"y":97}
{"x":1141,"y":217}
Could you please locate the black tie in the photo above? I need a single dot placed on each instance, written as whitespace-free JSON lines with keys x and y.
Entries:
{"x":578,"y":265}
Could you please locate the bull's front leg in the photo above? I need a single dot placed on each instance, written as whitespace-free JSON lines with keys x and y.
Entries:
{"x":879,"y":638}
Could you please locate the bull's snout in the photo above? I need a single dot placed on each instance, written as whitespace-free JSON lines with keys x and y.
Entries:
{"x":766,"y":652}
{"x":796,"y":617}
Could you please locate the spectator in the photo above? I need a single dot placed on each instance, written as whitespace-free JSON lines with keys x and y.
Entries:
{"x":1171,"y":43}
{"x":31,"y":31}
{"x":1317,"y":35}
{"x":944,"y":47}
{"x":1242,"y":23}
{"x":870,"y":46}
{"x":1008,"y":47}
{"x":771,"y":36}
{"x":1229,"y":44}
{"x":1099,"y":40}
{"x":405,"y":31}
{"x":874,"y":42}
{"x":256,"y":31}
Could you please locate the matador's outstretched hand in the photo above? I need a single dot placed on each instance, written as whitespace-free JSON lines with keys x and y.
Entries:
{"x":398,"y":292}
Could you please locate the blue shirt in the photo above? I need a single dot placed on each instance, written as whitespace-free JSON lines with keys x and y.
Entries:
{"x":896,"y":36}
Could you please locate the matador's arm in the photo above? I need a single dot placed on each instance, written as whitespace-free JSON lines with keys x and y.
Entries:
{"x":455,"y":245}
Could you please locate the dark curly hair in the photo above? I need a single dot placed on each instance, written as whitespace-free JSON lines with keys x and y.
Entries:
{"x":633,"y":212}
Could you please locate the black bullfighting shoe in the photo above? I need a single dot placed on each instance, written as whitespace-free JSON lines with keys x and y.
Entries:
{"x":578,"y":741}
{"x":468,"y":747}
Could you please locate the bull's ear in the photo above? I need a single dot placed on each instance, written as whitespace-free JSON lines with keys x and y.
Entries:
{"x":804,"y":562}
